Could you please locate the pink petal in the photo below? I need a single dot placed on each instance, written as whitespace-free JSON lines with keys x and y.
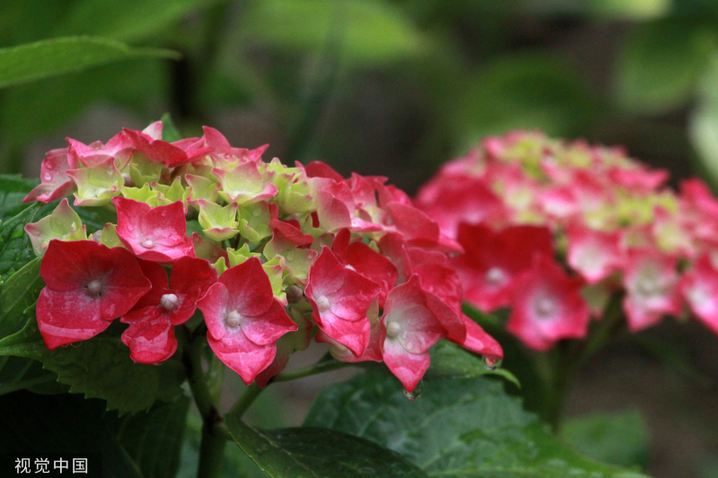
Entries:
{"x":407,"y":367}
{"x":64,"y":317}
{"x":242,"y":355}
{"x":150,"y":335}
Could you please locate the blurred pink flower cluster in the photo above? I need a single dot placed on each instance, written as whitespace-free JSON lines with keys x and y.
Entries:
{"x":266,"y":252}
{"x":553,"y":229}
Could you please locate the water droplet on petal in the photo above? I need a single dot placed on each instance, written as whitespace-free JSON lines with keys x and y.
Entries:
{"x":291,"y":255}
{"x":256,"y":213}
{"x":47,"y":176}
{"x":148,"y":244}
{"x":416,"y":393}
{"x":492,"y":363}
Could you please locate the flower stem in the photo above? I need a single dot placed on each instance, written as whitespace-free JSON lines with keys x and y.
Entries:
{"x":213,"y":440}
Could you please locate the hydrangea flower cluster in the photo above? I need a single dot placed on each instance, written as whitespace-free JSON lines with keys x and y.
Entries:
{"x":271,"y":255}
{"x":552,"y":229}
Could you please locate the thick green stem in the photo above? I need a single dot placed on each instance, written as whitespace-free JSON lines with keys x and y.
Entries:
{"x":213,"y":438}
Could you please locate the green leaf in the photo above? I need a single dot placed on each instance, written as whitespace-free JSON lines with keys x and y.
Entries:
{"x":13,"y":189}
{"x":317,"y":453}
{"x":154,"y":439}
{"x":619,"y":438}
{"x":47,"y":58}
{"x":62,"y":423}
{"x":15,"y":247}
{"x":660,"y":64}
{"x":467,"y":428}
{"x":234,"y":464}
{"x":18,"y":293}
{"x":367,"y":31}
{"x":100,"y":368}
{"x":127,"y":21}
{"x":134,"y":85}
{"x":448,"y":361}
{"x":17,"y":373}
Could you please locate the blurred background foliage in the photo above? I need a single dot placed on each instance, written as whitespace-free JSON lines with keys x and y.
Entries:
{"x":389,"y":87}
{"x":395,"y":88}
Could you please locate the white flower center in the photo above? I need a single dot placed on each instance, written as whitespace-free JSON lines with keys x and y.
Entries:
{"x":322,"y":303}
{"x":234,"y":319}
{"x":393,"y":329}
{"x":544,"y":308}
{"x":94,"y":287}
{"x":148,"y":244}
{"x":169,"y":302}
{"x":495,"y":276}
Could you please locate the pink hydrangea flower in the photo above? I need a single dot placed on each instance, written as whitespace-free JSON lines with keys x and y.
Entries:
{"x":244,"y":320}
{"x":411,"y":328}
{"x":88,"y":286}
{"x":340,"y":298}
{"x":150,"y":336}
{"x":699,"y":287}
{"x":651,"y":282}
{"x":493,"y":259}
{"x":156,"y":234}
{"x":547,"y":305}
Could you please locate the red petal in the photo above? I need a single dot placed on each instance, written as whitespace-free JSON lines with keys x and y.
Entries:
{"x":243,"y":356}
{"x":150,"y":335}
{"x":68,"y":316}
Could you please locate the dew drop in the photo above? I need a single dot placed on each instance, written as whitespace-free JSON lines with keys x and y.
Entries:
{"x":47,"y":176}
{"x":416,"y":393}
{"x":291,"y":255}
{"x":256,"y":213}
{"x":491,"y":363}
{"x":148,"y":244}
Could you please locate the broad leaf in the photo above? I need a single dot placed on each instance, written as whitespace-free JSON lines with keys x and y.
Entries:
{"x":100,"y":368}
{"x":366,"y":31}
{"x":13,"y":190}
{"x":154,"y":439}
{"x":234,"y":464}
{"x":15,"y":247}
{"x":130,"y":84}
{"x":448,"y":361}
{"x":467,"y":428}
{"x":661,"y":63}
{"x":619,"y":438}
{"x":317,"y":453}
{"x":47,"y":58}
{"x":17,"y":373}
{"x":63,"y":423}
{"x":18,"y":293}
